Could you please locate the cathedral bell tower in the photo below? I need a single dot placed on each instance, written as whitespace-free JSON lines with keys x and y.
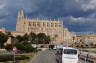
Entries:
{"x":20,"y":22}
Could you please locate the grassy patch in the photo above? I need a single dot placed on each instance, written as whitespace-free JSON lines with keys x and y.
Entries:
{"x":23,"y":61}
{"x":20,"y":58}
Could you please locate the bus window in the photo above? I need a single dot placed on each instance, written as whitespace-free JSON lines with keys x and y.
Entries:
{"x":70,"y":51}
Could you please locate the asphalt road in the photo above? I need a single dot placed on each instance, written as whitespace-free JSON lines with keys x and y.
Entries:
{"x":47,"y":57}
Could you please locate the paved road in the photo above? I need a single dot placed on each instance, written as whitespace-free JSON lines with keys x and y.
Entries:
{"x":47,"y":57}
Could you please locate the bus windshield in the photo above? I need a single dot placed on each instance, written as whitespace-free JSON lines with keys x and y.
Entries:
{"x":70,"y":51}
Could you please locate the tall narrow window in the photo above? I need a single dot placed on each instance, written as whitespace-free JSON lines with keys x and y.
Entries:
{"x":44,"y":24}
{"x":34,"y":24}
{"x":48,"y":24}
{"x":24,"y":22}
{"x":29,"y":24}
{"x":56,"y":25}
{"x":38,"y":24}
{"x":52,"y":24}
{"x":59,"y":25}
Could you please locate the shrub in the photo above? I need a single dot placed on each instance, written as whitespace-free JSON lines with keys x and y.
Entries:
{"x":51,"y":46}
{"x":19,"y":46}
{"x":28,"y":48}
{"x":9,"y":47}
{"x":24,"y":47}
{"x":41,"y":46}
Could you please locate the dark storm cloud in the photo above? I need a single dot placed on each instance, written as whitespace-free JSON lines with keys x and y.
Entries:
{"x":82,"y":12}
{"x":80,"y":24}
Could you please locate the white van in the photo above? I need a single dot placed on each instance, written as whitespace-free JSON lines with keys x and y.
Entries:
{"x":69,"y":55}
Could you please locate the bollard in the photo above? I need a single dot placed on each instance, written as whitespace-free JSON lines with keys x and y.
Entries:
{"x":86,"y":58}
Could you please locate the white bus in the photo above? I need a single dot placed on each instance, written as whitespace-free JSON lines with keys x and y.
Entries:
{"x":69,"y":55}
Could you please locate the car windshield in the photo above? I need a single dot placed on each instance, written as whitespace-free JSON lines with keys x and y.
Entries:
{"x":70,"y":51}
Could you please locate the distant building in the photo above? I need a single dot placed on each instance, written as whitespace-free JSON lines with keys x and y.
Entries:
{"x":53,"y":28}
{"x":9,"y":41}
{"x":16,"y":33}
{"x":2,"y":30}
{"x":87,"y":39}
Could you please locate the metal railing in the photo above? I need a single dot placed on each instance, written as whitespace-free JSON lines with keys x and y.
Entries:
{"x":88,"y":56}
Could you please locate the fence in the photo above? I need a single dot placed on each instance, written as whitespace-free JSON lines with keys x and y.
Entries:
{"x":88,"y":56}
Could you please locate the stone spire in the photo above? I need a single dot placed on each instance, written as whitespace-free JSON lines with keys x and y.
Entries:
{"x":20,"y":21}
{"x":21,"y":14}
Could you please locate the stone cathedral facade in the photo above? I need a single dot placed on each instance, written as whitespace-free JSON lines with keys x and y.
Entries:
{"x":53,"y":28}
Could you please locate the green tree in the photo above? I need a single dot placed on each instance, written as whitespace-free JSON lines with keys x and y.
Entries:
{"x":32,"y":38}
{"x":19,"y":38}
{"x":9,"y":47}
{"x":22,"y":38}
{"x":9,"y":33}
{"x":43,"y":38}
{"x":25,"y":37}
{"x":19,"y":46}
{"x":28,"y":48}
{"x":47,"y":40}
{"x":24,"y":47}
{"x":3,"y":39}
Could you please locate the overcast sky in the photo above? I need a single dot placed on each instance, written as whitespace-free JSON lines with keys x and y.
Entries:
{"x":78,"y":15}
